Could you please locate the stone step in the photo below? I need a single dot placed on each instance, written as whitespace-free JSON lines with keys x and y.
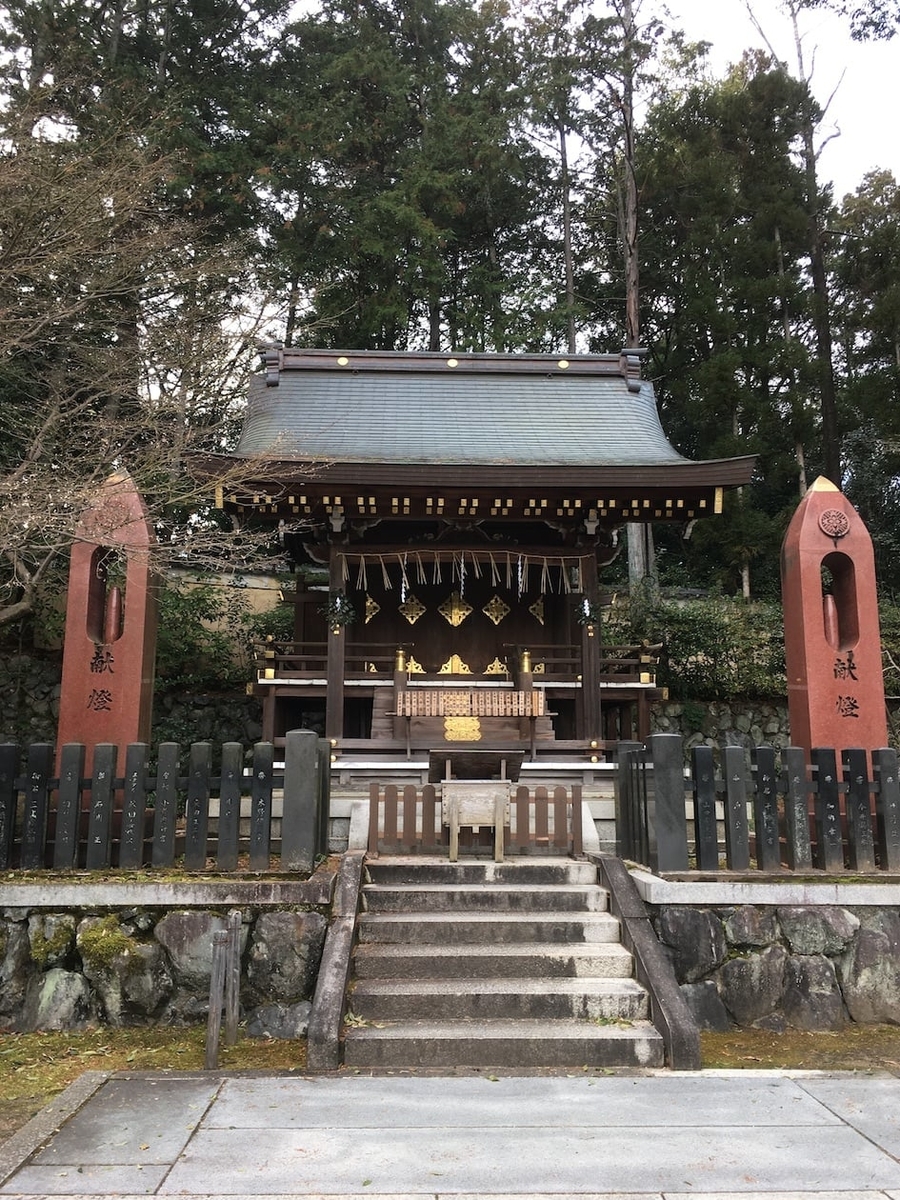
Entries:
{"x":516,"y":961}
{"x":599,"y":1000}
{"x":489,"y":1044}
{"x":536,"y":872}
{"x":474,"y":897}
{"x":488,"y":927}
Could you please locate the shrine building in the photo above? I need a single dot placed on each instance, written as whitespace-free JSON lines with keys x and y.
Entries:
{"x":450,"y":517}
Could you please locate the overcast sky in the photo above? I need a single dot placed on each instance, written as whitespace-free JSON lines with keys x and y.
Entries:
{"x":867,"y":102}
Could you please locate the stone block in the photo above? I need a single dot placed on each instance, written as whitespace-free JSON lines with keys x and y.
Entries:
{"x":706,"y":1005}
{"x":287,"y":1021}
{"x":187,"y":939}
{"x":812,"y":997}
{"x":869,"y":972}
{"x":285,"y":954}
{"x":751,"y":987}
{"x":826,"y":930}
{"x":695,"y":939}
{"x":55,"y":1000}
{"x":751,"y":926}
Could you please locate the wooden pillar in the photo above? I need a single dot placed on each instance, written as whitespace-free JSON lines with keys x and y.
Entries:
{"x":337,"y":641}
{"x":590,"y":652}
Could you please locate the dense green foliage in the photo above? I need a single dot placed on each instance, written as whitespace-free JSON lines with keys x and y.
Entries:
{"x":427,"y":174}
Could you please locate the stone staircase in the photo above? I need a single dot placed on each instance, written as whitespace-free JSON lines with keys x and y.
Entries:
{"x":481,"y":964}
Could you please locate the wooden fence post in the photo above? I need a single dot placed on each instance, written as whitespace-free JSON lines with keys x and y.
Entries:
{"x":261,"y":806}
{"x":829,"y":854}
{"x":796,"y":809}
{"x":627,"y":805}
{"x":765,"y":810}
{"x":737,"y":829}
{"x":134,"y":804}
{"x":669,"y":797}
{"x":196,"y":813}
{"x":233,"y":977}
{"x":165,"y":811}
{"x":858,"y":807}
{"x":216,"y":998}
{"x":9,"y":796}
{"x":887,"y":806}
{"x":706,"y":835}
{"x":229,"y":806}
{"x":34,"y":821}
{"x":300,"y":837}
{"x":103,"y":791}
{"x":68,"y":807}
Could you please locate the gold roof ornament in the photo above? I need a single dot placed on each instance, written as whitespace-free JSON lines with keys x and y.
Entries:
{"x":455,"y":610}
{"x":496,"y":668}
{"x":455,"y":666}
{"x":412,"y":608}
{"x":495,"y":609}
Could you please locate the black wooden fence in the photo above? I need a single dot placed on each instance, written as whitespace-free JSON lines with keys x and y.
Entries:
{"x":146,"y":811}
{"x":782,"y":813}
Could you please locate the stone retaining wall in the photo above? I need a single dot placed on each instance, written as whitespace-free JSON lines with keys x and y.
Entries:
{"x":744,"y":723}
{"x":66,"y":968}
{"x":779,"y":967}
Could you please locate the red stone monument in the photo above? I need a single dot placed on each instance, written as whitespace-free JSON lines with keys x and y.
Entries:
{"x":110,"y":641}
{"x":831,"y":630}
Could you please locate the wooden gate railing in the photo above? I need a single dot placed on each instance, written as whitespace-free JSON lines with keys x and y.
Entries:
{"x":781,"y":813}
{"x":407,"y":820}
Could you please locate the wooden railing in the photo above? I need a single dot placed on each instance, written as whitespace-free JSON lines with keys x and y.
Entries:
{"x":408,"y":820}
{"x":782,"y":813}
{"x":140,"y":812}
{"x":619,"y":664}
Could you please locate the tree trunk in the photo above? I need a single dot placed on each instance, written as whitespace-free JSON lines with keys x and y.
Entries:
{"x":567,"y":234}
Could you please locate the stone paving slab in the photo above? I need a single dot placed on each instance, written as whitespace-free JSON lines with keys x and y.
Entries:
{"x":530,"y":1158}
{"x":648,"y":1136}
{"x":872,"y":1106}
{"x":132,"y":1121}
{"x":100,"y":1179}
{"x":478,"y":1102}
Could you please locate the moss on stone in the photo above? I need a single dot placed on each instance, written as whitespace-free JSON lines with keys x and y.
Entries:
{"x":44,"y":949}
{"x":104,"y":942}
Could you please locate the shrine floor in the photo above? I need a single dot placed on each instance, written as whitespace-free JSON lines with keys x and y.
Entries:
{"x":647,"y":1136}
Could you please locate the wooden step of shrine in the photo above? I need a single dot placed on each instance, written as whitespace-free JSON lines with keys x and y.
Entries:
{"x":481,"y":964}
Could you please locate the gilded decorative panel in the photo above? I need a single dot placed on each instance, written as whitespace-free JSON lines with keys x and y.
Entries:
{"x":495,"y":610}
{"x":412,"y":608}
{"x":537,"y":610}
{"x":413,"y":667}
{"x":455,"y":666}
{"x":455,"y":609}
{"x":496,"y":668}
{"x":372,"y":607}
{"x":462,"y":729}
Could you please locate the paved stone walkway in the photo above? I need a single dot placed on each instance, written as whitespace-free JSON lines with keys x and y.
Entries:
{"x":653,"y":1136}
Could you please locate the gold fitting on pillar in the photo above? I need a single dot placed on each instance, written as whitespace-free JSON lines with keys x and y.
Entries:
{"x":525,"y":664}
{"x":400,"y":660}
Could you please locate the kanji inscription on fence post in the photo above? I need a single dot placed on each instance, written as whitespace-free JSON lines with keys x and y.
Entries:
{"x":110,"y":640}
{"x":831,"y":631}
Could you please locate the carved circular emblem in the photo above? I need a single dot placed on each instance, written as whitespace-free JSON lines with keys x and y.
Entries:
{"x":834,"y":523}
